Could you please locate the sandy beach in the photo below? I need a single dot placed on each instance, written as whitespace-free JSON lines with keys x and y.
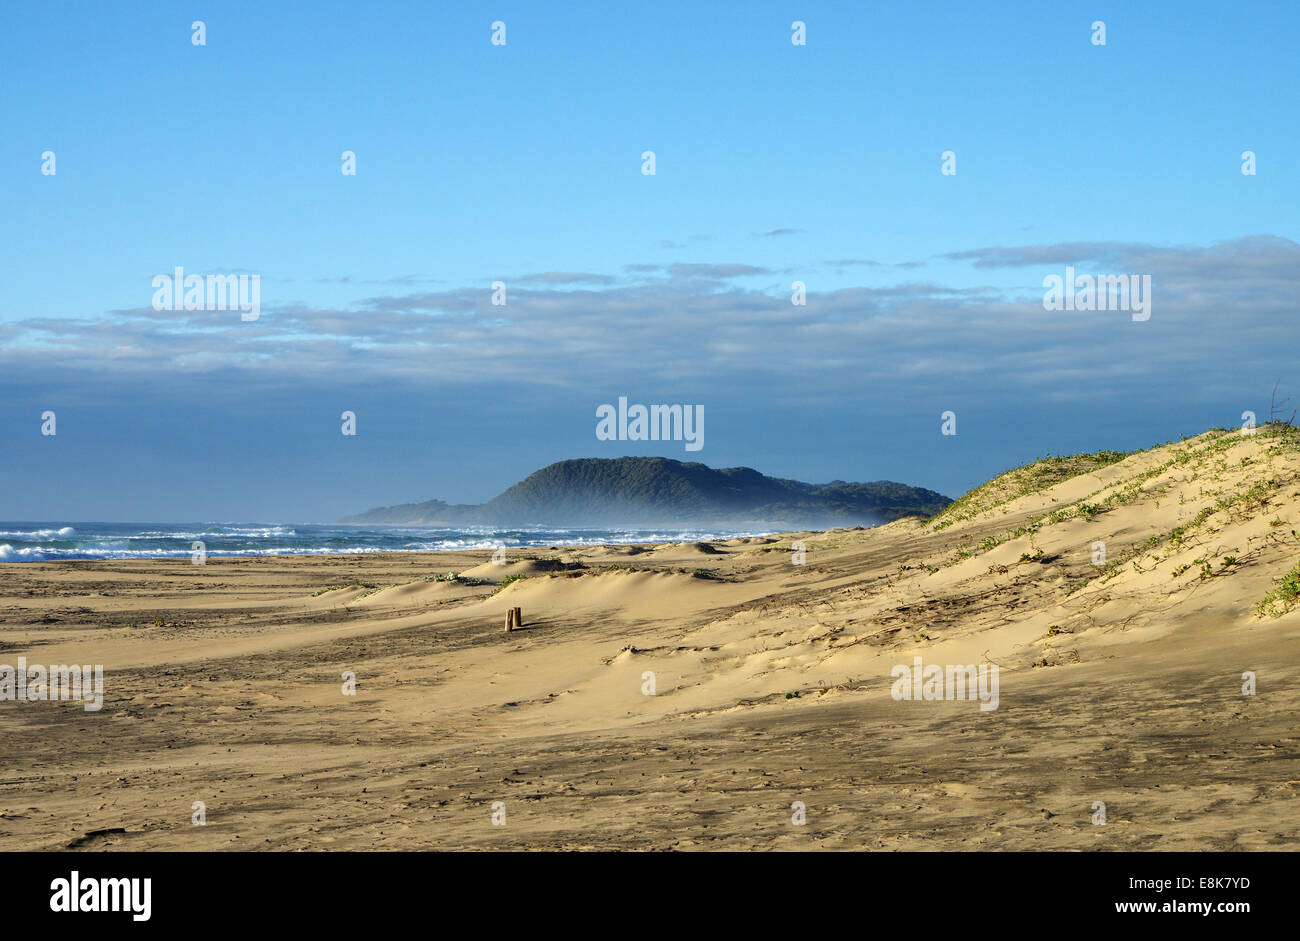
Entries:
{"x":697,"y":696}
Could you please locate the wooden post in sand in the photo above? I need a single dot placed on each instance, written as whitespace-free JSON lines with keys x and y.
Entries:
{"x":510,"y":620}
{"x":519,"y":616}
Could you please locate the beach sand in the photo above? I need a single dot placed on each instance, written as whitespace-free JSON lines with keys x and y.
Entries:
{"x":772,"y":685}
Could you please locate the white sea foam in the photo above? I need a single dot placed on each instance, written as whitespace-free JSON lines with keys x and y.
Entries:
{"x":124,"y":541}
{"x":250,"y":532}
{"x":22,"y":554}
{"x":62,"y":533}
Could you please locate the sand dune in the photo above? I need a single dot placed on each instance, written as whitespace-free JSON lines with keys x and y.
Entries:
{"x":1120,"y":682}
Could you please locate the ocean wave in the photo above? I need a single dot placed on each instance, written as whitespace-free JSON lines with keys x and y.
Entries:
{"x":128,"y":541}
{"x":221,"y":532}
{"x":22,"y":554}
{"x":52,"y":554}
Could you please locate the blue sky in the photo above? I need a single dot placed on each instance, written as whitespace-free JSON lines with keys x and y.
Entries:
{"x":522,"y":163}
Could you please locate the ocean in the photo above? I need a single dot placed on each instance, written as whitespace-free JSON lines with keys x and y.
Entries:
{"x":50,"y":542}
